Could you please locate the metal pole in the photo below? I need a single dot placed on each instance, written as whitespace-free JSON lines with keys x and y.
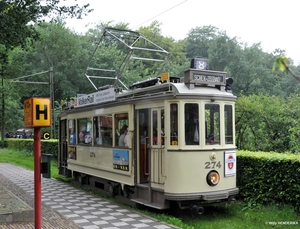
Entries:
{"x":37,"y":179}
{"x":52,"y":102}
{"x":3,"y":105}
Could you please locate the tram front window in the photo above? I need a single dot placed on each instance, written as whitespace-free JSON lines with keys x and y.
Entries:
{"x":212,"y":124}
{"x":228,"y":124}
{"x":191,"y":115}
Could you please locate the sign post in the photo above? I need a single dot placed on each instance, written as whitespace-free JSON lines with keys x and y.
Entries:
{"x":37,"y":114}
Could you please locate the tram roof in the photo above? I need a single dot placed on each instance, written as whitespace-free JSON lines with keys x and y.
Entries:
{"x":179,"y":89}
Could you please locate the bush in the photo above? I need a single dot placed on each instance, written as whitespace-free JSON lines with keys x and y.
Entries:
{"x":265,"y":178}
{"x":27,"y":145}
{"x":3,"y":144}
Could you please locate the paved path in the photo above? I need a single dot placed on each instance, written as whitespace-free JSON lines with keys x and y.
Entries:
{"x":74,"y":208}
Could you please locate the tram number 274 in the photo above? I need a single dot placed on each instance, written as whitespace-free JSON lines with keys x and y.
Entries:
{"x":212,"y":165}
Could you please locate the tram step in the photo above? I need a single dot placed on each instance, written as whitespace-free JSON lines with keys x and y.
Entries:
{"x":146,"y":203}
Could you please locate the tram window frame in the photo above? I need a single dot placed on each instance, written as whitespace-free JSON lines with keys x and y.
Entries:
{"x":174,"y":124}
{"x":212,"y":123}
{"x":85,"y":135}
{"x":228,"y":123}
{"x":121,"y":120}
{"x":72,"y":131}
{"x":103,"y":130}
{"x":191,"y":117}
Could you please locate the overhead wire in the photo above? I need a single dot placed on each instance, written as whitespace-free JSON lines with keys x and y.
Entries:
{"x":160,"y":14}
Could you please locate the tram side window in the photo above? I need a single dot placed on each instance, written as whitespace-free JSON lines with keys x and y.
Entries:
{"x":191,"y":115}
{"x":212,"y":124}
{"x":174,"y":124}
{"x":85,"y":131}
{"x":158,"y":126}
{"x":143,"y":126}
{"x":228,"y":124}
{"x":154,"y":127}
{"x":103,"y":130}
{"x":121,"y":125}
{"x":72,"y":131}
{"x":162,"y":126}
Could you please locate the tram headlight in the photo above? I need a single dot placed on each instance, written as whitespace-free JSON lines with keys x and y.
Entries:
{"x":213,"y":178}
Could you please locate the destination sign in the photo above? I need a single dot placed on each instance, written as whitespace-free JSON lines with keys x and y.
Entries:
{"x":208,"y":78}
{"x":95,"y":98}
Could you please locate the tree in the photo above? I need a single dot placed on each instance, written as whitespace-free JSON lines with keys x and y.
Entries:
{"x":17,"y":19}
{"x":178,"y":60}
{"x":198,"y":41}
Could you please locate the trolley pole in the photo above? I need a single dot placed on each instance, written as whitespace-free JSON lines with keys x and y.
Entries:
{"x":37,"y":114}
{"x":37,"y":179}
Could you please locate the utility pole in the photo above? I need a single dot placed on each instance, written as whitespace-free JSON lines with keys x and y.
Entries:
{"x":51,"y":92}
{"x":3,"y":105}
{"x":52,"y":102}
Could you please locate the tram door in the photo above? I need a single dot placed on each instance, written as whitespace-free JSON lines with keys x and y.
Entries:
{"x":150,"y":136}
{"x":143,"y":143}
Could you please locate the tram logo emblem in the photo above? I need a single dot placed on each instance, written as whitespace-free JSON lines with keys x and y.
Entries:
{"x":230,"y":163}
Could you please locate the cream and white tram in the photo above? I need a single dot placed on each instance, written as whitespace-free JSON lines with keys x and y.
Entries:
{"x":180,"y":140}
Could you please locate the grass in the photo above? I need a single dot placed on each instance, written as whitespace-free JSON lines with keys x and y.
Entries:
{"x":234,"y":216}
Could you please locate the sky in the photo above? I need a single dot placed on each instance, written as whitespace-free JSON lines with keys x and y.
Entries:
{"x":274,"y":23}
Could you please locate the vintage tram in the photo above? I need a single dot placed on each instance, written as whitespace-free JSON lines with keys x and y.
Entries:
{"x":181,"y":137}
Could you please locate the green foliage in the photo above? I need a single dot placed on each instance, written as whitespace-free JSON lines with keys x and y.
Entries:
{"x":236,"y":215}
{"x":268,"y":123}
{"x":265,"y":178}
{"x":198,"y":41}
{"x":3,"y":144}
{"x":272,"y":126}
{"x":15,"y":18}
{"x":280,"y":63}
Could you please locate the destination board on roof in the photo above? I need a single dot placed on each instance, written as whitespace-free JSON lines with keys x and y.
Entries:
{"x":208,"y":78}
{"x":204,"y":77}
{"x":95,"y":98}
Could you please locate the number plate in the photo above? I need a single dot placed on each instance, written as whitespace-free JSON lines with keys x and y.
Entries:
{"x":213,"y":165}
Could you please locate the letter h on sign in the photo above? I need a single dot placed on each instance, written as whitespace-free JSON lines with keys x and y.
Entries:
{"x":39,"y":112}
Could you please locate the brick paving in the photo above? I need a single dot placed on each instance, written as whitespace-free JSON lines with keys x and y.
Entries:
{"x":64,"y":206}
{"x":50,"y":217}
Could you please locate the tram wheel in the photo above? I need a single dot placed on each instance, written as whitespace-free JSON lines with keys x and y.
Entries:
{"x":81,"y":178}
{"x":174,"y":209}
